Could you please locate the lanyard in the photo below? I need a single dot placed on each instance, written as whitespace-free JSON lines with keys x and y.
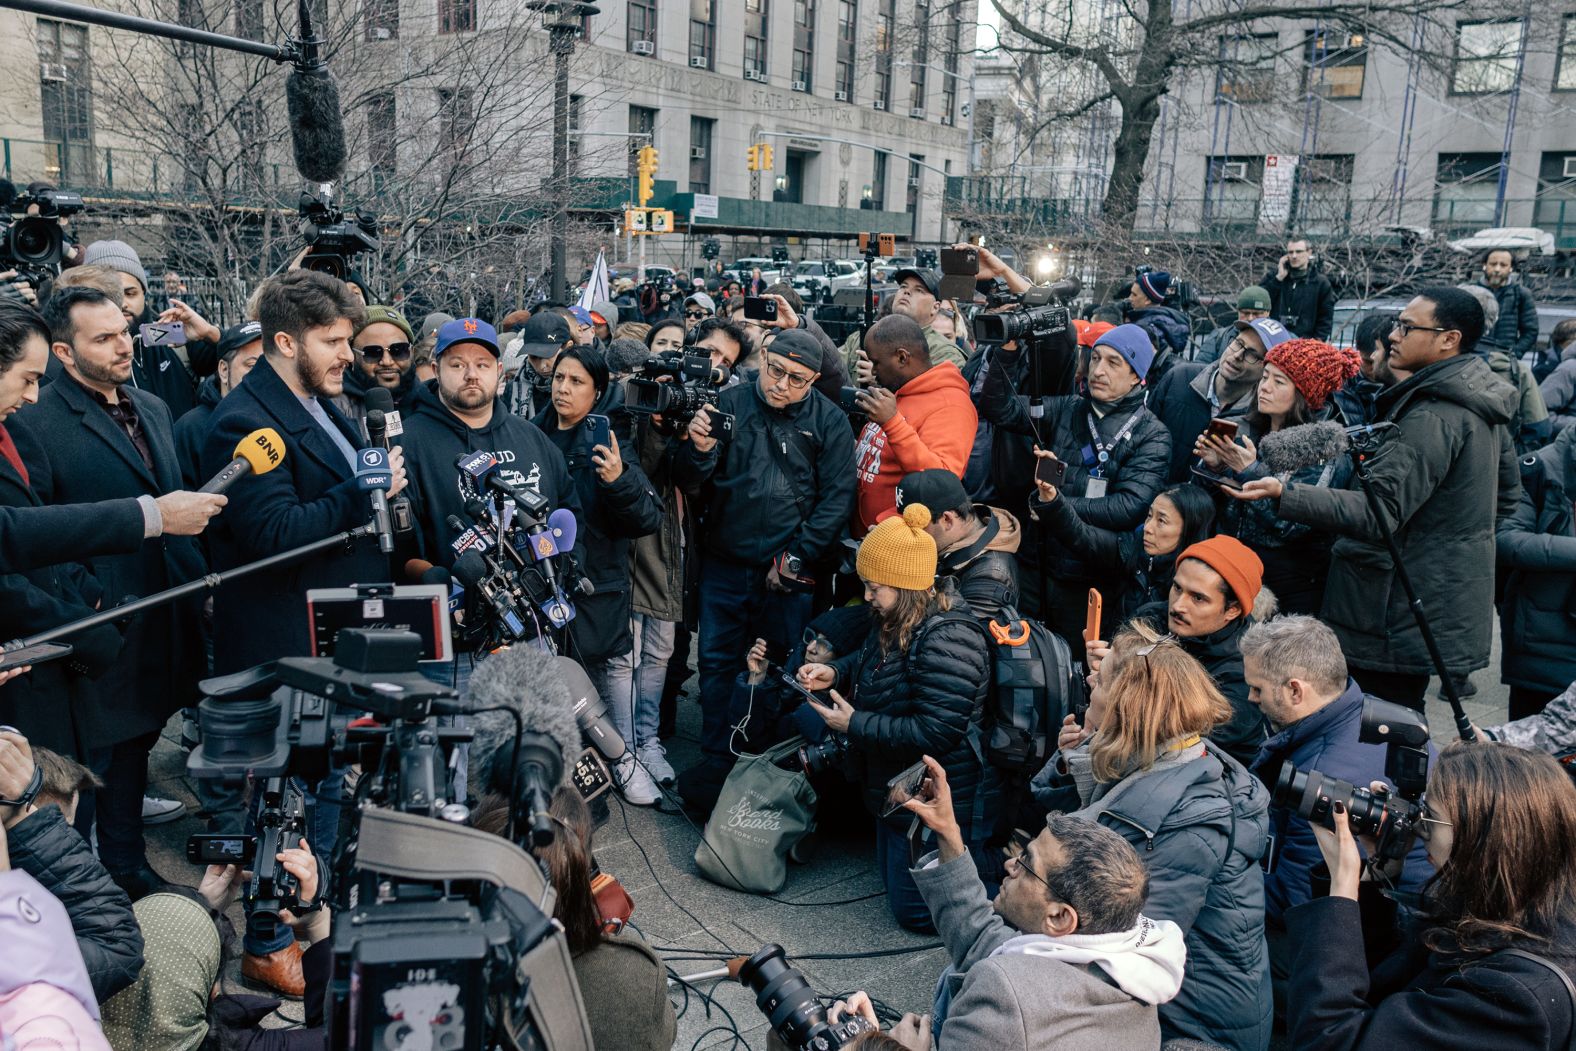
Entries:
{"x":1102,"y":452}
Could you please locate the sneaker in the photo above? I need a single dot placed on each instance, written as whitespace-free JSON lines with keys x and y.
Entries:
{"x":654,"y":758}
{"x":634,"y":784}
{"x":156,"y":811}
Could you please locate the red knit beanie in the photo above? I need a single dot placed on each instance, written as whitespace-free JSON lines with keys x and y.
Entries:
{"x":1234,"y":561}
{"x":1316,"y":368}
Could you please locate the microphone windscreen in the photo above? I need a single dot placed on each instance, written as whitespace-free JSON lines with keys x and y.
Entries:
{"x":562,"y":523}
{"x":379,"y":398}
{"x":522,"y":679}
{"x":470,"y":569}
{"x":1308,"y":444}
{"x":437,"y":575}
{"x":377,"y":425}
{"x":317,"y":130}
{"x":263,"y":450}
{"x":415,"y":567}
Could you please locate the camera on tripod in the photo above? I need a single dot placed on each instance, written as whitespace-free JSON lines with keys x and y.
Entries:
{"x":1393,"y":817}
{"x":677,"y":386}
{"x":332,"y":239}
{"x":790,"y":1004}
{"x":35,"y":245}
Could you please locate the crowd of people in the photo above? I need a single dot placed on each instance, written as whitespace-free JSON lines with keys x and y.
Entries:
{"x":1281,"y":530}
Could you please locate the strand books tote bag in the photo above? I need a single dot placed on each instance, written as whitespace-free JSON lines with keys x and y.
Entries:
{"x":762,"y":812}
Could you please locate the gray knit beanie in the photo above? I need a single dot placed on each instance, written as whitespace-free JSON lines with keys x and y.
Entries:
{"x":117,"y":255}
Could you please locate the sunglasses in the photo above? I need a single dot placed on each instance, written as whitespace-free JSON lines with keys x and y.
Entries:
{"x":696,"y":314}
{"x":374,"y":353}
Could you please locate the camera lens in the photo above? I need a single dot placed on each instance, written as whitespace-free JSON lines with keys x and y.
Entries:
{"x":1312,"y":795}
{"x":36,"y":240}
{"x":238,"y":733}
{"x":783,"y":996}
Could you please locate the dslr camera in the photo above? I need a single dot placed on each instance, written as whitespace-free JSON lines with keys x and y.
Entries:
{"x":334,"y":240}
{"x":677,"y":385}
{"x":790,"y":1005}
{"x":1392,"y":816}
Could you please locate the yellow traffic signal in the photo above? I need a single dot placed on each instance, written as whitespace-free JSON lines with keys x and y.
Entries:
{"x":766,"y":157}
{"x":661,"y":222}
{"x":635,"y":220}
{"x":648,"y":157}
{"x":755,"y":158}
{"x":645,"y":186}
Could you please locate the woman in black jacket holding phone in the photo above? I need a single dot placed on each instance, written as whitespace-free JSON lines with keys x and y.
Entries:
{"x":916,"y":687}
{"x":587,"y":421}
{"x":1490,"y":964}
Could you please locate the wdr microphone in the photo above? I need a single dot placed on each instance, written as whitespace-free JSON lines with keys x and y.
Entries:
{"x":374,"y":476}
{"x":257,"y":453}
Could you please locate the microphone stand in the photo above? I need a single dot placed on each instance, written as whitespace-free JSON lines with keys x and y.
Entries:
{"x":193,"y":587}
{"x":290,"y":52}
{"x":1361,"y":452}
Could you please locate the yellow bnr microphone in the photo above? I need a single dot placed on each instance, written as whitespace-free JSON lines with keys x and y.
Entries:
{"x":257,"y":453}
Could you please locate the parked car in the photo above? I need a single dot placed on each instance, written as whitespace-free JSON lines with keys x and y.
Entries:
{"x":817,"y":280}
{"x":1349,"y":313}
{"x":771,"y":270}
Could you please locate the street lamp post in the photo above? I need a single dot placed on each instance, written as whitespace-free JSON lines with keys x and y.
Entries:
{"x":562,"y":20}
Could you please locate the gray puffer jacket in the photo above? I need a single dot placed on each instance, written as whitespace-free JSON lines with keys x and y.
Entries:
{"x":51,"y":851}
{"x":1201,"y":825}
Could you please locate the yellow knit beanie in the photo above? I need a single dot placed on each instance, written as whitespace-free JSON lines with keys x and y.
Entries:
{"x":899,"y":553}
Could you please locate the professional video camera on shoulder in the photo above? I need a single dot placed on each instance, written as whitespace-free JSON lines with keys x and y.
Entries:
{"x":332,"y":239}
{"x":34,"y":245}
{"x":1042,"y":312}
{"x":1393,"y":817}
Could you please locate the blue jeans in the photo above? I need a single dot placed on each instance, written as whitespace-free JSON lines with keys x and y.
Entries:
{"x":458,"y":675}
{"x":736,"y":608}
{"x":903,"y":897}
{"x":632,"y":683}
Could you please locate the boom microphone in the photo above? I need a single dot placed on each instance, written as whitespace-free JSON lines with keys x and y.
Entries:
{"x":1305,"y":445}
{"x":317,"y":130}
{"x":527,"y":682}
{"x":257,"y":453}
{"x":590,"y":712}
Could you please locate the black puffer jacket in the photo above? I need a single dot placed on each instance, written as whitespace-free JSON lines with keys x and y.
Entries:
{"x":1304,"y":303}
{"x":925,"y":701}
{"x":51,"y":851}
{"x":1537,"y":544}
{"x":192,"y":428}
{"x":1117,"y":553}
{"x":614,"y":514}
{"x":1135,"y":472}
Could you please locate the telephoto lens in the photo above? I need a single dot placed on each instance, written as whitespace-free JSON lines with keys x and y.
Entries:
{"x":1312,"y":795}
{"x":790,"y":1005}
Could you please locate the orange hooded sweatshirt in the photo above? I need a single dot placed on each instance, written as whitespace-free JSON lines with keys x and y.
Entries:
{"x":934,"y":427}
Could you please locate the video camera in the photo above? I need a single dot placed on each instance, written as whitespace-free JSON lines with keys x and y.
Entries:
{"x":1392,"y":817}
{"x":332,"y":239}
{"x":791,"y":1006}
{"x":676,"y":386}
{"x":1043,"y":313}
{"x":35,"y":245}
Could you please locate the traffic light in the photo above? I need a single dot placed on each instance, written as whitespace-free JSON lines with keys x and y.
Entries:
{"x":760,"y":156}
{"x":754,"y":158}
{"x":661,"y":221}
{"x":766,"y":157}
{"x":646,"y":167}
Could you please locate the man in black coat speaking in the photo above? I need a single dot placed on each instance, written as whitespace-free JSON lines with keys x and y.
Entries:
{"x":307,"y":320}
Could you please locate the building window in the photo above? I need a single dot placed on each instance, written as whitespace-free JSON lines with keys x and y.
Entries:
{"x":703,"y":34}
{"x":382,"y":137}
{"x":700,"y":155}
{"x":1485,"y":57}
{"x":66,"y":90}
{"x":949,"y":78}
{"x":1323,"y":203}
{"x":641,"y":27}
{"x":1565,"y":64}
{"x":878,"y":178}
{"x":755,"y":15}
{"x":456,"y":16}
{"x":1466,"y":191}
{"x":456,"y":119}
{"x":1556,"y":210}
{"x":883,"y":89}
{"x":1334,"y":63}
{"x":916,"y":175}
{"x":382,"y":19}
{"x":845,"y":81}
{"x":1231,"y":191}
{"x":804,"y":45}
{"x":642,"y":132}
{"x":886,"y":19}
{"x":1246,"y":72}
{"x":251,"y":131}
{"x":920,"y":64}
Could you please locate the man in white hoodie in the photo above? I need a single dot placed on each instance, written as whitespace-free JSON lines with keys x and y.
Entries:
{"x":1062,"y":957}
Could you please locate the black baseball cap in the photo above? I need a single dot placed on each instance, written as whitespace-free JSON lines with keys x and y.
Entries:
{"x":237,"y":336}
{"x":927,"y":277}
{"x":545,"y":334}
{"x":938,"y":489}
{"x":798,"y":346}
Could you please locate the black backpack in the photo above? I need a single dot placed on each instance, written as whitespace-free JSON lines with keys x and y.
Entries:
{"x":1034,"y":686}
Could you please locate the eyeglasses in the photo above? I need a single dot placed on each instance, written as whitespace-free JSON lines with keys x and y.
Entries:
{"x":1426,"y":823}
{"x":1406,"y":328}
{"x":777,"y":372}
{"x":697,"y":314}
{"x":374,"y":353}
{"x":812,"y":637}
{"x":1244,"y":349}
{"x":1016,"y":851}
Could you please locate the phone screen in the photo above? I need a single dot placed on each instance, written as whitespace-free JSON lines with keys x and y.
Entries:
{"x":903,"y":787}
{"x":599,"y":431}
{"x":760,"y":308}
{"x":36,"y":654}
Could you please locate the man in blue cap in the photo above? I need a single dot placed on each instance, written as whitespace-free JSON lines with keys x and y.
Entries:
{"x":1196,"y":392}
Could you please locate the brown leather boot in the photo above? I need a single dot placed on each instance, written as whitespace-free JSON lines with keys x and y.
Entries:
{"x":279,"y":970}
